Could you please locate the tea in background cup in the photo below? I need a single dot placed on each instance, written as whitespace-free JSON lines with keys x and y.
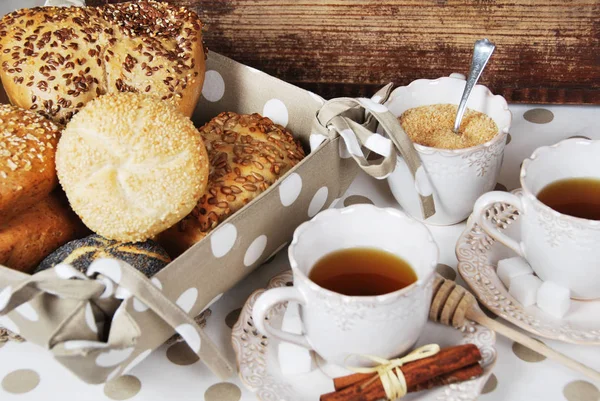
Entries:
{"x":455,"y":177}
{"x":341,"y":327}
{"x":560,"y":212}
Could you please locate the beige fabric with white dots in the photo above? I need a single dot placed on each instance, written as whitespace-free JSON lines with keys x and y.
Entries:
{"x":87,"y":293}
{"x":232,"y":250}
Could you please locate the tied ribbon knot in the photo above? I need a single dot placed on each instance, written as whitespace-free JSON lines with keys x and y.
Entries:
{"x":109,"y":286}
{"x":357,"y":122}
{"x":389,"y":372}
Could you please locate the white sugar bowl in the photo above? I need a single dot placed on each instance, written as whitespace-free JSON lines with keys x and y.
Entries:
{"x":456,"y":178}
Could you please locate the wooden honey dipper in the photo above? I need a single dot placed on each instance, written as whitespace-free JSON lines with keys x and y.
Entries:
{"x":451,"y":304}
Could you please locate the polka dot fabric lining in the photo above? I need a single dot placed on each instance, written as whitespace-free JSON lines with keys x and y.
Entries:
{"x":238,"y":245}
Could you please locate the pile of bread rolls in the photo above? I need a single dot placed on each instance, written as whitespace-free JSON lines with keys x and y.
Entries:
{"x":101,"y":99}
{"x":34,"y":218}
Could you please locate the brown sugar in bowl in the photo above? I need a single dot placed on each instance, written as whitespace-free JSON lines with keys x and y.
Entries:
{"x":432,"y":126}
{"x":455,"y":177}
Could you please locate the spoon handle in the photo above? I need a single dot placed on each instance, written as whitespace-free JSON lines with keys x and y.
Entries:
{"x":481,"y":54}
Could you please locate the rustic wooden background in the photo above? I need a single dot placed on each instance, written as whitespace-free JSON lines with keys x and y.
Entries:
{"x":548,"y":51}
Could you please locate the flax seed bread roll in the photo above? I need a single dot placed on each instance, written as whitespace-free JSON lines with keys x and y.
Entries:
{"x":27,"y":147}
{"x":247,"y":153}
{"x":131,"y":166}
{"x":56,"y":59}
{"x":35,"y":233}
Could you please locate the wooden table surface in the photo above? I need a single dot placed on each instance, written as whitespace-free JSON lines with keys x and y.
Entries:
{"x":548,"y":51}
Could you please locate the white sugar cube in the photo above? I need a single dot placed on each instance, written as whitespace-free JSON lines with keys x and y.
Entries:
{"x":524,"y":289}
{"x":511,"y":268}
{"x":554,"y":299}
{"x":291,"y":319}
{"x":294,"y":360}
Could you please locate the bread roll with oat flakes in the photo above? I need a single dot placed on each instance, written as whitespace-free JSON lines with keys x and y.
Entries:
{"x":27,"y":147}
{"x":247,"y":154}
{"x":56,"y":59}
{"x":131,"y":166}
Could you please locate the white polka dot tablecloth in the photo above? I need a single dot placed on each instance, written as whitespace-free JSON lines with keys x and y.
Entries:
{"x":28,"y":373}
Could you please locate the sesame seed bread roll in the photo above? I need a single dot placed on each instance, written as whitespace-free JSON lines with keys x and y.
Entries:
{"x":247,"y":153}
{"x":56,"y":59}
{"x":27,"y":148}
{"x":36,"y":232}
{"x":131,"y":166}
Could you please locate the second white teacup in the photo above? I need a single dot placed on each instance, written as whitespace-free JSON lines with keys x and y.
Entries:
{"x":560,"y":248}
{"x":340,"y":327}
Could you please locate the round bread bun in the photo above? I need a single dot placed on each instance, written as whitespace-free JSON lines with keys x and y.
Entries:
{"x":56,"y":59}
{"x":131,"y":166}
{"x":248,"y":153}
{"x":27,"y":147}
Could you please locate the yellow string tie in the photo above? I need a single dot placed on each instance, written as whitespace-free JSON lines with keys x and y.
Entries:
{"x":389,"y":372}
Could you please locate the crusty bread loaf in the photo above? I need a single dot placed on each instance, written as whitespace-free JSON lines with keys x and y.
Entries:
{"x":131,"y":166}
{"x":56,"y":59}
{"x":27,"y":147}
{"x":35,"y":233}
{"x":247,"y":154}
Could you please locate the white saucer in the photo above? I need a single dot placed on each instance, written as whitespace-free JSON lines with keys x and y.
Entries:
{"x":259,"y":368}
{"x":478,"y":254}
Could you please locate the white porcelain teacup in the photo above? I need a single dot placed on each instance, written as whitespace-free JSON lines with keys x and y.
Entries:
{"x":340,"y":327}
{"x":560,"y":248}
{"x":456,"y":178}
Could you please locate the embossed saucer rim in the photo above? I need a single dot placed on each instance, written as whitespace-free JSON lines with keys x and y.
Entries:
{"x":483,"y":269}
{"x":259,"y":379}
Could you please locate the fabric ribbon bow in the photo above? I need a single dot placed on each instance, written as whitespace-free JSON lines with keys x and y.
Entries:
{"x":389,"y":372}
{"x":339,"y":117}
{"x":78,"y":302}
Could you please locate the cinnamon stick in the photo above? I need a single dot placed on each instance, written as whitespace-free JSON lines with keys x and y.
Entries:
{"x":460,"y":375}
{"x":446,"y":361}
{"x":343,"y":382}
{"x":468,"y":350}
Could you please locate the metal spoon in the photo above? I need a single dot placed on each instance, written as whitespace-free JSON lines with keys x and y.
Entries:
{"x":481,"y":54}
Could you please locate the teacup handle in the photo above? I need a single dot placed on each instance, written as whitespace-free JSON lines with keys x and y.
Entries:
{"x":268,"y":300}
{"x":484,"y":202}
